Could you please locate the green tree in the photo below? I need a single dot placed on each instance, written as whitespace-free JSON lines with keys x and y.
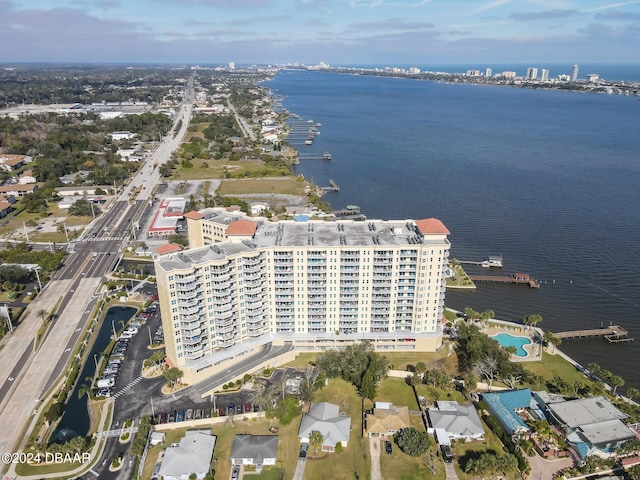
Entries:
{"x":412,"y":442}
{"x":617,"y":381}
{"x":315,"y":440}
{"x":172,"y":375}
{"x":286,"y":410}
{"x":550,"y":339}
{"x":420,"y":368}
{"x":532,"y":320}
{"x":43,"y":315}
{"x":632,"y":392}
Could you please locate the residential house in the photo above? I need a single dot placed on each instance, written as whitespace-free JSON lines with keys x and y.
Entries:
{"x":123,"y":135}
{"x":387,"y":419}
{"x":512,"y":407}
{"x":458,"y":421}
{"x":18,"y":190}
{"x":27,"y":177}
{"x":325,"y":418}
{"x":11,"y":162}
{"x":5,"y":208}
{"x":255,"y":450}
{"x":591,"y":425}
{"x":191,"y":456}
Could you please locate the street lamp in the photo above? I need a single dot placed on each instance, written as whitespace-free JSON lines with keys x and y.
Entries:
{"x":38,"y":278}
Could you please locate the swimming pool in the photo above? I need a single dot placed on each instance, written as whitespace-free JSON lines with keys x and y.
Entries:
{"x":506,"y":340}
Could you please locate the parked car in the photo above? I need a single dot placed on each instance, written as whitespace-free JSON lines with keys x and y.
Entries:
{"x":235,"y":473}
{"x":207,"y":413}
{"x":180,"y":416}
{"x":446,"y":453}
{"x":256,"y":407}
{"x":221,"y":412}
{"x":388,"y":447}
{"x":239,"y":409}
{"x":162,"y":418}
{"x":304,"y":448}
{"x":247,"y":407}
{"x":231,"y":408}
{"x":172,"y":417}
{"x":197,"y":414}
{"x":189,"y":414}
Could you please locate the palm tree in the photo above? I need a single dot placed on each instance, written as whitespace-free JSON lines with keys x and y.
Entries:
{"x":617,"y":382}
{"x":632,"y":392}
{"x":43,"y":314}
{"x":550,"y":339}
{"x":532,"y":320}
{"x":315,"y":440}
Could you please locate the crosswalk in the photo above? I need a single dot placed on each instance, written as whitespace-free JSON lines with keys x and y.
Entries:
{"x":102,"y":239}
{"x":124,"y":390}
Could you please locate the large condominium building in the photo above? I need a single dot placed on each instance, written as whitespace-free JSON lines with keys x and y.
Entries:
{"x":308,"y":285}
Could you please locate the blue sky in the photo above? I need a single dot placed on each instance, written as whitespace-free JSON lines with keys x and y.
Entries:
{"x":389,"y":32}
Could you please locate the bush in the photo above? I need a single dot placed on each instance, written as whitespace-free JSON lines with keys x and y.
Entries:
{"x":412,"y":442}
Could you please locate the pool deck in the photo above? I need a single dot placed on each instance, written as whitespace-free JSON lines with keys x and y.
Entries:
{"x":532,"y":349}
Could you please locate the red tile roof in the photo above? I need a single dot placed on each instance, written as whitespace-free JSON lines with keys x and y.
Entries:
{"x":168,"y":248}
{"x":242,"y":227}
{"x":432,"y":226}
{"x":193,"y":215}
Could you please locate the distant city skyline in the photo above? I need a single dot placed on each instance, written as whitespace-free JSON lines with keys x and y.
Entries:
{"x":314,"y":31}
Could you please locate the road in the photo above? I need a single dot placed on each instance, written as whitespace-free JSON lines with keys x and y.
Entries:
{"x":27,"y":375}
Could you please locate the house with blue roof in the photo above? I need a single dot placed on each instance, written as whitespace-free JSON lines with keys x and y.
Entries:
{"x":510,"y":407}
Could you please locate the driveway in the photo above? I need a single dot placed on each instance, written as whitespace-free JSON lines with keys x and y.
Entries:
{"x":374,"y":450}
{"x":450,"y":471}
{"x":543,"y":469}
{"x":299,"y":475}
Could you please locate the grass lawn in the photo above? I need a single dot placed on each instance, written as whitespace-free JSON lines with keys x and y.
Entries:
{"x":279,"y":185}
{"x":396,"y":391}
{"x":202,"y":168}
{"x":302,"y":360}
{"x":400,"y":466}
{"x":554,"y":365}
{"x":268,"y":473}
{"x":440,"y":359}
{"x":352,"y":460}
{"x":432,"y":393}
{"x":463,"y":451}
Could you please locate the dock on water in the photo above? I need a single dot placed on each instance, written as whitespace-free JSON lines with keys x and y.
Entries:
{"x":333,"y":187}
{"x":612,"y":334}
{"x":517,"y":278}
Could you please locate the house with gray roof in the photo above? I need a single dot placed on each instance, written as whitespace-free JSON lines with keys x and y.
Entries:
{"x":192,"y":455}
{"x":325,"y":418}
{"x":255,"y":450}
{"x":591,"y":424}
{"x":458,"y":421}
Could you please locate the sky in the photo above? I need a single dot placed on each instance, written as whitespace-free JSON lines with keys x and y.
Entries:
{"x":336,"y":32}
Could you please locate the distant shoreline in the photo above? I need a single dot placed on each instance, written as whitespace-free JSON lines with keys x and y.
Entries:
{"x":606,"y":87}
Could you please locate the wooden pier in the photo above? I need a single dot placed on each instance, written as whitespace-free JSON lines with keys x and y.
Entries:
{"x":314,"y":156}
{"x":333,"y":187}
{"x":516,"y":278}
{"x":612,"y":334}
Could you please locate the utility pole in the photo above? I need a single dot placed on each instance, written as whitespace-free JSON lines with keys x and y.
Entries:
{"x":66,"y":233}
{"x":38,"y":277}
{"x":25,"y":231}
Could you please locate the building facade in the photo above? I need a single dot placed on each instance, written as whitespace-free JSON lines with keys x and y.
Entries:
{"x":312,"y":285}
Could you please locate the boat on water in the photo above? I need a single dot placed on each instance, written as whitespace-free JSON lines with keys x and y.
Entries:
{"x":326,"y":156}
{"x":493,"y":261}
{"x":308,"y":142}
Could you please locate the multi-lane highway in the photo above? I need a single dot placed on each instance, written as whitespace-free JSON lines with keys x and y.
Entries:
{"x":26,"y":375}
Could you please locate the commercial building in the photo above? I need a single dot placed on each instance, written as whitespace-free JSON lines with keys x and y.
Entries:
{"x":532,"y":73}
{"x":311,"y":285}
{"x":574,"y":73}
